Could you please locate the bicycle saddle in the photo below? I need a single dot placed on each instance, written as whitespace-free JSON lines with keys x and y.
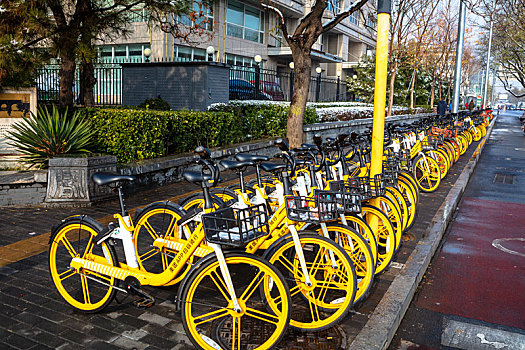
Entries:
{"x":273,"y":167}
{"x":195,"y":176}
{"x":251,"y":157}
{"x":107,"y":178}
{"x":233,"y":165}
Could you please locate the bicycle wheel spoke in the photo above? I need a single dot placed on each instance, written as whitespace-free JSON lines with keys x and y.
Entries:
{"x":66,"y":274}
{"x":252,"y":286}
{"x":287,"y":264}
{"x":85,"y":289}
{"x":314,"y":267}
{"x":221,"y":286}
{"x":69,"y":247}
{"x":150,"y":253}
{"x":150,"y":230}
{"x":314,"y":310}
{"x":261,"y":315}
{"x":236,"y":333}
{"x":210,"y":316}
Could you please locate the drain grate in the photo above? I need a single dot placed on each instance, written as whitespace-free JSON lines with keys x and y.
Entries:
{"x":505,"y":179}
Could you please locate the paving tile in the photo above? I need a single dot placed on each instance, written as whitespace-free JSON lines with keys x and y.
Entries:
{"x":158,"y":341}
{"x":20,"y":342}
{"x":128,"y":343}
{"x":154,"y":318}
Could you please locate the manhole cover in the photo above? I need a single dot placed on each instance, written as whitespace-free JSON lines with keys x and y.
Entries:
{"x":328,"y":339}
{"x":505,"y":179}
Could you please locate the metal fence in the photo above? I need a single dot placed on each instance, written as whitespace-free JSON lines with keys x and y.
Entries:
{"x":245,"y":83}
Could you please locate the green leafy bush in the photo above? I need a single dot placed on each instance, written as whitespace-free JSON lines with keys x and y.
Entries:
{"x":46,"y":135}
{"x":136,"y":134}
{"x":155,"y":103}
{"x":131,"y":134}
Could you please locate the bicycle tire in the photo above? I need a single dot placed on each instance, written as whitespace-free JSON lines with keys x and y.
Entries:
{"x":76,"y":237}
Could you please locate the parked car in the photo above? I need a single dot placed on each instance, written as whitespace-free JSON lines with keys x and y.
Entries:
{"x":271,"y":88}
{"x":241,"y":89}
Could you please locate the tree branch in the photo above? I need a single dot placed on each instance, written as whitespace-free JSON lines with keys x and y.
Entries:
{"x":279,"y":14}
{"x":342,"y":15}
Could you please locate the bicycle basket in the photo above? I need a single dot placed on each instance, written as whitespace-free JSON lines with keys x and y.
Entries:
{"x":322,"y":207}
{"x":431,"y":142}
{"x":391,"y":169}
{"x":236,"y":227}
{"x":367,"y":188}
{"x":349,"y":200}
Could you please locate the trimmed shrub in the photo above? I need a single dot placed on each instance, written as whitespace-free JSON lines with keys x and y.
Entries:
{"x":137,"y":134}
{"x":131,"y":134}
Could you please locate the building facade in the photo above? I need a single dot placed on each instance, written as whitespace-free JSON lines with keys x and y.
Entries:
{"x":240,"y":30}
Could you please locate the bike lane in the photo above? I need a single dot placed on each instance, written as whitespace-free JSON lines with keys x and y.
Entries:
{"x":473,"y":295}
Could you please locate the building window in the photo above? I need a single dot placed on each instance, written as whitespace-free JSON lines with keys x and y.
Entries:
{"x":334,"y":6}
{"x":138,"y":15}
{"x":245,"y":22}
{"x":122,"y":53}
{"x":354,"y":18}
{"x":236,"y":60}
{"x":188,"y":54}
{"x":202,"y":15}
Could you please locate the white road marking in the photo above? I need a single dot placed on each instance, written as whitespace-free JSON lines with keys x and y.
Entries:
{"x":497,"y":243}
{"x":397,"y":265}
{"x":468,"y":336}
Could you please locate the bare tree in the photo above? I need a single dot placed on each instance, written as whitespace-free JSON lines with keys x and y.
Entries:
{"x":300,"y":40}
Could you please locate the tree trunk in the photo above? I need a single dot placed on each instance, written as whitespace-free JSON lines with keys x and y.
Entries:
{"x":432,"y":91}
{"x":391,"y":90}
{"x":301,"y":85}
{"x":412,"y":86}
{"x":87,"y":83}
{"x":67,"y":78}
{"x":439,"y":89}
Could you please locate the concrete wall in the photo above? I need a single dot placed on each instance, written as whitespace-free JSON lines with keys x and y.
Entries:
{"x":181,"y":84}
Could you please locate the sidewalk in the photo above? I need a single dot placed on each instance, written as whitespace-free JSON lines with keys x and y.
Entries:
{"x":32,"y":315}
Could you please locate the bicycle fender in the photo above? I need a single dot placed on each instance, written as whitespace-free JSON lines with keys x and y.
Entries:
{"x":284,"y":239}
{"x":81,"y":218}
{"x":167,"y":204}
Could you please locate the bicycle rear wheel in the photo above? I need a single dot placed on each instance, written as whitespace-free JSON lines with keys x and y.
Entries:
{"x":86,"y":291}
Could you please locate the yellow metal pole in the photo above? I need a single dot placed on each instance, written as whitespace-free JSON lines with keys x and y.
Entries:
{"x":378,"y":130}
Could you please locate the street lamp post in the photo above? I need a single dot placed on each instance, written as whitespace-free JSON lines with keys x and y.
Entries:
{"x":484,"y":101}
{"x":338,"y":91}
{"x":257,"y":60}
{"x":147,"y":54}
{"x":291,"y":65}
{"x":459,"y":56}
{"x":210,"y":50}
{"x":319,"y":71}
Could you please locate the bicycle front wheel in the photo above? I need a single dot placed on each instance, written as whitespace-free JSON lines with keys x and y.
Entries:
{"x":86,"y":291}
{"x":208,"y":315}
{"x":330,"y":296}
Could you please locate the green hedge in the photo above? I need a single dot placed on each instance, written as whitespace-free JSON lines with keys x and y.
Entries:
{"x":136,"y":134}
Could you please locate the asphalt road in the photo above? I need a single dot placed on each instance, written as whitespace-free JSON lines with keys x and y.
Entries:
{"x":473,"y":295}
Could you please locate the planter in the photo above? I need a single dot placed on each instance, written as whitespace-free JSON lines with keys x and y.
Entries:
{"x":69,"y":180}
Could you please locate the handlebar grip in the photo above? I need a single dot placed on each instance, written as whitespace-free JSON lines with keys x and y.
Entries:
{"x":202,"y":152}
{"x":282,"y":144}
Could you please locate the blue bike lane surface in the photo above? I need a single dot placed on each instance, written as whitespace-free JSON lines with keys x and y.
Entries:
{"x":473,"y":294}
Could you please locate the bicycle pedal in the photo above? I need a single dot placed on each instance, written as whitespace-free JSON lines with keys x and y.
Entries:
{"x":144,"y":303}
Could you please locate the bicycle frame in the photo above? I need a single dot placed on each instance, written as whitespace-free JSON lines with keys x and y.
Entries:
{"x":188,"y":248}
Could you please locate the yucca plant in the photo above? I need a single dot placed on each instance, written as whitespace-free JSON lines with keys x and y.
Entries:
{"x":47,"y":135}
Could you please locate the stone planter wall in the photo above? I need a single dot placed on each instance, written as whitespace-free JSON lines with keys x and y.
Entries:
{"x":69,"y":180}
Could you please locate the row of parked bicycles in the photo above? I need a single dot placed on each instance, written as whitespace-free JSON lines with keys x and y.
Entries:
{"x":297,"y":245}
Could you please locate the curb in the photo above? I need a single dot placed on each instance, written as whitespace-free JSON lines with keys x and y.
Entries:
{"x":382,"y":325}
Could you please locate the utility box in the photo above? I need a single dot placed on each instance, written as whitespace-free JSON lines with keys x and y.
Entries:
{"x":184,"y":85}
